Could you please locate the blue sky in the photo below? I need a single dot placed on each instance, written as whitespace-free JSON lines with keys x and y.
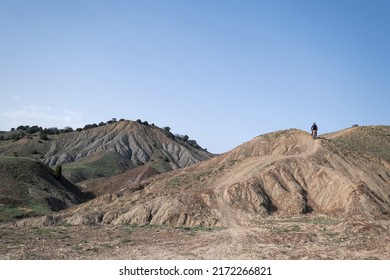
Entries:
{"x":221,"y":72}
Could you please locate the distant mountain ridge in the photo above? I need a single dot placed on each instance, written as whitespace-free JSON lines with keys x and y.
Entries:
{"x":110,"y":149}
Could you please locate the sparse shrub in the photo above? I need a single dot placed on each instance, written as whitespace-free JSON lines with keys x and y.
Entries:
{"x":58,"y":171}
{"x":16,"y":137}
{"x":146,"y":123}
{"x":89,"y":126}
{"x":168,"y":133}
{"x":34,"y":129}
{"x":113,"y":120}
{"x":193,"y":144}
{"x":43,"y":136}
{"x":22,"y":127}
{"x":68,"y":129}
{"x":51,"y":131}
{"x":182,"y":137}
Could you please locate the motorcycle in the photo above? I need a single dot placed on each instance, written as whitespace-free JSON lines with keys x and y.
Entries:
{"x":314,"y":134}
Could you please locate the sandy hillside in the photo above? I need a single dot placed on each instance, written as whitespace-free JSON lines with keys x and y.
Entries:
{"x":279,"y":174}
{"x":279,"y":196}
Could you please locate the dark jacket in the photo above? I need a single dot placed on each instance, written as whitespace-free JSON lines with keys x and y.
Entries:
{"x":314,"y":127}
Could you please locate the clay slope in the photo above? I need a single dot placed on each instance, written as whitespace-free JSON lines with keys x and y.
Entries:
{"x":108,"y":150}
{"x":29,"y":188}
{"x":281,"y":173}
{"x":117,"y":183}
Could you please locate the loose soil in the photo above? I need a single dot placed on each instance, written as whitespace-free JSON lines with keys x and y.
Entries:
{"x":294,"y":238}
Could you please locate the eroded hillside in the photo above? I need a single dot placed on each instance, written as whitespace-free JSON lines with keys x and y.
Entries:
{"x":110,"y":149}
{"x":282,"y":173}
{"x":29,"y":188}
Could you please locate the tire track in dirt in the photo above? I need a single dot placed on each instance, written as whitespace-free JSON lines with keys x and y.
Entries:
{"x":237,"y":231}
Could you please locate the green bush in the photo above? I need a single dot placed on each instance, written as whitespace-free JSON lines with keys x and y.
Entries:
{"x":43,"y":136}
{"x":58,"y":171}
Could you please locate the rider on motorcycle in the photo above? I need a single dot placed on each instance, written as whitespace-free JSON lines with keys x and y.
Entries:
{"x":314,"y":129}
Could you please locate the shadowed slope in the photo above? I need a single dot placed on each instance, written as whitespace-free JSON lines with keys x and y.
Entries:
{"x":29,"y":188}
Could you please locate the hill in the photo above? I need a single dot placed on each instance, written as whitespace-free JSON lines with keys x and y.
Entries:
{"x":372,"y":140}
{"x":282,"y":173}
{"x":281,"y":195}
{"x":29,"y":188}
{"x":107,"y":150}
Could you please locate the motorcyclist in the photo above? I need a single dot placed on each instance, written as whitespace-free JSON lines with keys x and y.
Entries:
{"x":314,"y":129}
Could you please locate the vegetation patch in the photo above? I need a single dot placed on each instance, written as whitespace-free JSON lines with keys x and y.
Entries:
{"x":201,"y":229}
{"x":374,"y":141}
{"x":28,"y":188}
{"x":100,"y":165}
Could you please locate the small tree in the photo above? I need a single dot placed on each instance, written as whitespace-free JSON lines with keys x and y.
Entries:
{"x":43,"y":136}
{"x":68,"y":129}
{"x":58,"y":171}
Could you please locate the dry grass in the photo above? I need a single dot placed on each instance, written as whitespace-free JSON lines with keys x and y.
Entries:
{"x":288,"y":238}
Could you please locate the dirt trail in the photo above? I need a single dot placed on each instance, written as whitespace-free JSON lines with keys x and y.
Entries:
{"x":237,"y":232}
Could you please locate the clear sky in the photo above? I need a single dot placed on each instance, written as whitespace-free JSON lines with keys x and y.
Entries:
{"x":221,"y":72}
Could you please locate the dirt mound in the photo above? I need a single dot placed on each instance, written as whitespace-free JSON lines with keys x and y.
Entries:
{"x":29,"y":188}
{"x":281,"y":174}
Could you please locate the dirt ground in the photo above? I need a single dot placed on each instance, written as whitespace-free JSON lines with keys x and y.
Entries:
{"x":298,"y":238}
